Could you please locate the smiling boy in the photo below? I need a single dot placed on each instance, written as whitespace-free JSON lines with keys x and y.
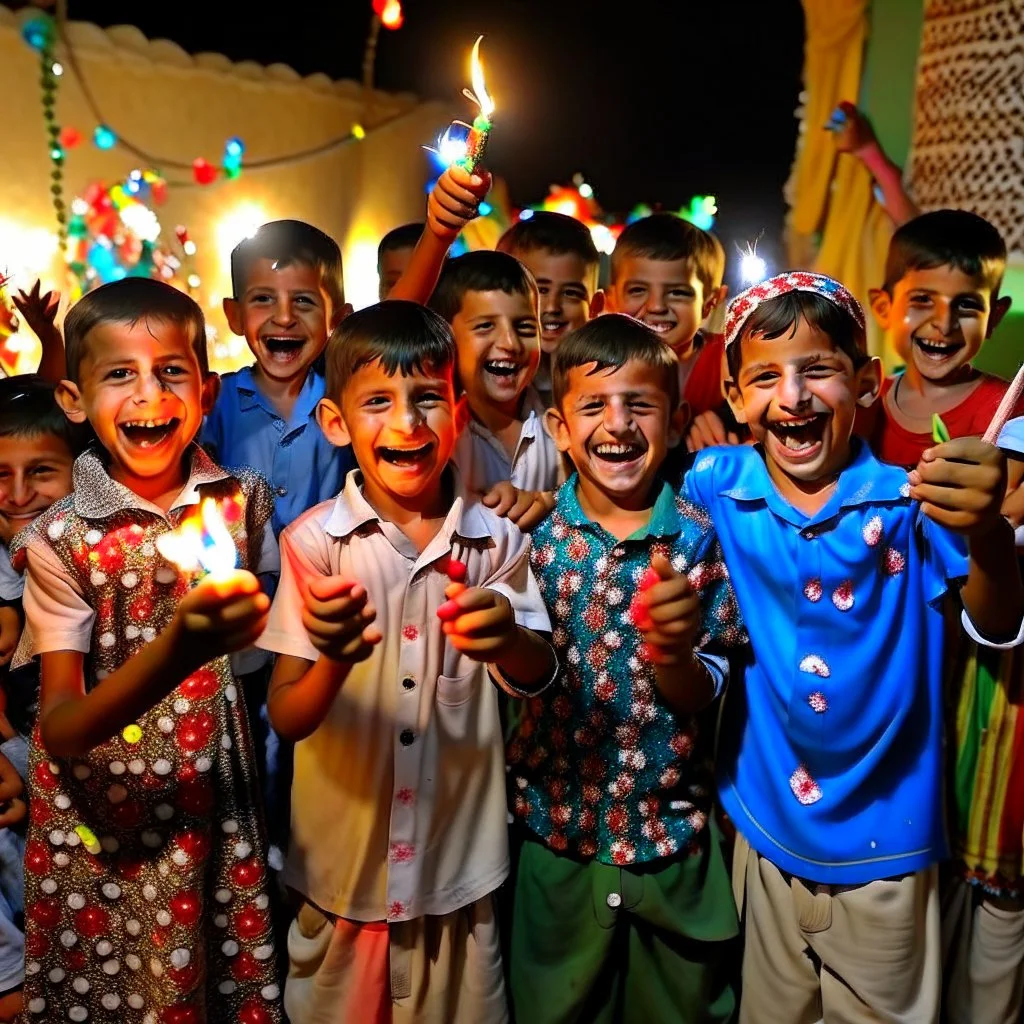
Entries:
{"x":940,"y":303}
{"x":609,"y":768}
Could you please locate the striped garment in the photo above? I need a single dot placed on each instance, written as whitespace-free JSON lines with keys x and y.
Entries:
{"x":988,"y":780}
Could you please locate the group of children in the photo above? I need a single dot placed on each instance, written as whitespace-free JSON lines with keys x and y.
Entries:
{"x":475,"y":573}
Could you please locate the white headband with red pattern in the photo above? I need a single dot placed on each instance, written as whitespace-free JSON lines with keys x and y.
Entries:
{"x":796,"y":281}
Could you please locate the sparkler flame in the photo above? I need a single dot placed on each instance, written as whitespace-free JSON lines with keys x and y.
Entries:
{"x":202,"y":542}
{"x":479,"y":94}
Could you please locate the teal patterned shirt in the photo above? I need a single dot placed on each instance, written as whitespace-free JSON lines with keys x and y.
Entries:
{"x":601,"y":768}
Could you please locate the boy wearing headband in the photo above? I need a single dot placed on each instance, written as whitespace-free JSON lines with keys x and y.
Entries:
{"x":830,"y":759}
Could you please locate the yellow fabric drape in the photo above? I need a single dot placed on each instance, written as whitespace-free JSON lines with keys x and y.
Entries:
{"x":832,"y":193}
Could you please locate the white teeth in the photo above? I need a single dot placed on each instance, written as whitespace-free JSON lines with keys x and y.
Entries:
{"x":503,"y":364}
{"x":791,"y":424}
{"x":659,"y":328}
{"x":147,"y":423}
{"x":613,"y":449}
{"x":795,"y":445}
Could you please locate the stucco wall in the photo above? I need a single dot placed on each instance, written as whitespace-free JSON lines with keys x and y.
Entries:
{"x":177,"y":106}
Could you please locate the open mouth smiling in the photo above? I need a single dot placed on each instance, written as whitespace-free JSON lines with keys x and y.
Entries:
{"x":802,"y":435}
{"x":148,"y":433}
{"x":405,"y":457}
{"x":618,"y":452}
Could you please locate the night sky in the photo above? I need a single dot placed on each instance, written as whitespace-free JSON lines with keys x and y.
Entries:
{"x":661,"y":102}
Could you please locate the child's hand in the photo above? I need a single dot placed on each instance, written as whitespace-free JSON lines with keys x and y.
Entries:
{"x":856,"y":133}
{"x":526,"y":509}
{"x":13,"y":812}
{"x":39,"y":310}
{"x":455,"y":200}
{"x":667,"y":613}
{"x":707,"y":430}
{"x":961,"y":485}
{"x":217,"y":619}
{"x":338,"y":617}
{"x":10,"y":633}
{"x":478,"y":622}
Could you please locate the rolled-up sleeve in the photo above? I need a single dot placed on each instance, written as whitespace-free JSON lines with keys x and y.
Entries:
{"x":56,"y":613}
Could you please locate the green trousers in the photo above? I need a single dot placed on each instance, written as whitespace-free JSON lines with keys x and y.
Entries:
{"x":597,"y":944}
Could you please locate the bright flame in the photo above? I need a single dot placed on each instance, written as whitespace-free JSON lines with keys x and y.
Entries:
{"x":240,"y":223}
{"x":391,"y":16}
{"x":752,"y":268}
{"x":476,"y":76}
{"x":202,"y":542}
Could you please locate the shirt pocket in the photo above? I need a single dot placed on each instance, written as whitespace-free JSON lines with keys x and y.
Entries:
{"x":456,"y":691}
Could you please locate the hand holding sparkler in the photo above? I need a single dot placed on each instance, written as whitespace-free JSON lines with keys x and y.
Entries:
{"x":338,"y":617}
{"x":226,"y":611}
{"x":667,"y":611}
{"x":455,"y":201}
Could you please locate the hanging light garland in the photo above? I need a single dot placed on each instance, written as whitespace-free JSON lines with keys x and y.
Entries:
{"x":40,"y":33}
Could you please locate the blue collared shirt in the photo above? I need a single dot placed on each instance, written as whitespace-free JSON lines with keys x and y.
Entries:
{"x":301,"y":465}
{"x":601,"y":765}
{"x":830,"y":756}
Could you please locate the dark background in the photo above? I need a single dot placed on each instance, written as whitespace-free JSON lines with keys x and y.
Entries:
{"x":659,"y":102}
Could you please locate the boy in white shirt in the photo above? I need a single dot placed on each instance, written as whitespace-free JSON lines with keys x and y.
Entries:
{"x":393,"y":598}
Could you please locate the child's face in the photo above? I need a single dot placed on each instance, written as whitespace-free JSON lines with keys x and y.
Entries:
{"x":798,"y":394}
{"x":499,"y":349}
{"x":938,"y":319}
{"x":616,"y":426}
{"x":285,"y":315}
{"x":666,"y":295}
{"x":392,"y":267}
{"x":566,"y":286}
{"x":402,"y":430}
{"x":34,"y":473}
{"x":142,"y":389}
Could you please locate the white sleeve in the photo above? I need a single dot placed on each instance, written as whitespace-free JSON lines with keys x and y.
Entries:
{"x":55,"y":610}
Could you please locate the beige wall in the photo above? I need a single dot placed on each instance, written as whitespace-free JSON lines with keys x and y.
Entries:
{"x":177,"y":106}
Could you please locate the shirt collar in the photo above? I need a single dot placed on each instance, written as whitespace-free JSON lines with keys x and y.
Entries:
{"x":250,"y":396}
{"x":865,"y":481}
{"x":98,"y":496}
{"x":664,"y":522}
{"x":351,"y":510}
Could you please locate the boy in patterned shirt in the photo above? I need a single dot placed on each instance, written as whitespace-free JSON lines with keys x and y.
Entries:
{"x":609,"y":767}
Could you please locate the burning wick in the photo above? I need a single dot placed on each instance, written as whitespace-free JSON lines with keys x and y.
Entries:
{"x":203,"y":544}
{"x":480,"y":130}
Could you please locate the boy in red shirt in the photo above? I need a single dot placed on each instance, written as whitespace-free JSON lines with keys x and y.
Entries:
{"x":940,"y":302}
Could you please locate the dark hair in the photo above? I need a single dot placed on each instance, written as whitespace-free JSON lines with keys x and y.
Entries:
{"x":404,"y":336}
{"x":29,"y":409}
{"x":664,"y":236}
{"x":404,"y":237}
{"x":774,"y":317}
{"x":613,"y":340}
{"x":554,"y":232}
{"x":286,"y":242}
{"x":130,"y":301}
{"x":953,"y":238}
{"x":480,"y":271}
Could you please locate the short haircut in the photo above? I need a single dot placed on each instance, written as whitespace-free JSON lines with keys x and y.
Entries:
{"x":404,"y":336}
{"x":131,"y":301}
{"x":609,"y":341}
{"x":555,"y":233}
{"x":664,"y":236}
{"x":775,"y":317}
{"x":404,"y":237}
{"x":29,"y":409}
{"x":942,"y":238}
{"x":480,"y":271}
{"x":286,"y":242}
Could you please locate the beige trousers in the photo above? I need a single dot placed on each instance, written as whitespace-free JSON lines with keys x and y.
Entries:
{"x":859,"y":954}
{"x":432,"y":970}
{"x":983,"y":953}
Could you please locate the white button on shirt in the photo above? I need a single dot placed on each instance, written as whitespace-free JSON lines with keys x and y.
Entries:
{"x":398,"y":805}
{"x":535,"y":465}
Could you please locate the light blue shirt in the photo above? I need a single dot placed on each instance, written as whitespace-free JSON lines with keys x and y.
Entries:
{"x":830,"y":756}
{"x":301,"y":465}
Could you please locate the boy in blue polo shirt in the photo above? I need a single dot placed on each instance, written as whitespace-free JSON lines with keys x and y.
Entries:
{"x":830,"y":758}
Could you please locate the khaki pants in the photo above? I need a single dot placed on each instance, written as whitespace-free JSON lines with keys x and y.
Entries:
{"x":983,"y":953}
{"x":432,"y":970}
{"x":860,"y":954}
